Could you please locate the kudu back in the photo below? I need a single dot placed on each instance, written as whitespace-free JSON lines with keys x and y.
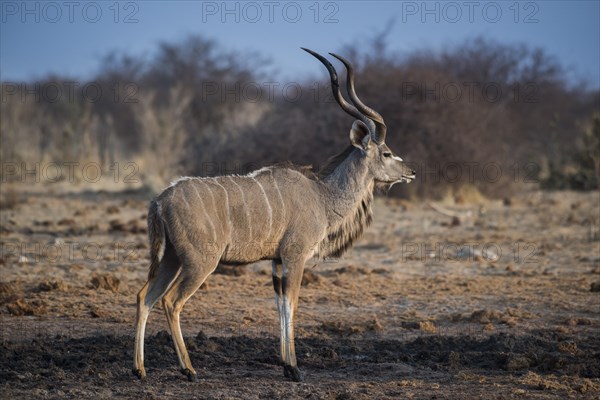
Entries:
{"x":278,"y":213}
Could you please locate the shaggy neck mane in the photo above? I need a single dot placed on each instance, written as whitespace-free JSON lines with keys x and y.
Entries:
{"x":356,"y":217}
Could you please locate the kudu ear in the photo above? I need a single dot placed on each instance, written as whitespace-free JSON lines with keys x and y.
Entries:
{"x":360,"y":136}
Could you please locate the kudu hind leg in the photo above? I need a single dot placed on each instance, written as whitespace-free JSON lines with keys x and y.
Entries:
{"x":187,"y":283}
{"x":290,"y":285}
{"x":152,"y":291}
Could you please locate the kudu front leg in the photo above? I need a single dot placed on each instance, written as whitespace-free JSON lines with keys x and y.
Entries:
{"x":277,"y":274}
{"x":290,"y":289}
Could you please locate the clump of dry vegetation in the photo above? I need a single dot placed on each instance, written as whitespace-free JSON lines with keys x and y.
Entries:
{"x":582,"y":170}
{"x":482,"y":115}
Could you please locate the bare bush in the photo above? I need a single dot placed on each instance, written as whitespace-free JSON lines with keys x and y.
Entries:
{"x":164,"y":133}
{"x":187,"y":115}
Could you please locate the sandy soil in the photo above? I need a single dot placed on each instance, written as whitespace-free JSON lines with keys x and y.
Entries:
{"x":504,"y":303}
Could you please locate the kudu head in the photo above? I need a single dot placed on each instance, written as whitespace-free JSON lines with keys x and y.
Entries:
{"x":368,"y":131}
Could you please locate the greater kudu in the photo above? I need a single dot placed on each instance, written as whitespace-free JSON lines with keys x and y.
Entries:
{"x":276,"y":213}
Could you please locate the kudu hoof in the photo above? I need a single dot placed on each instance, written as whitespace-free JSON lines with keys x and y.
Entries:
{"x":192,"y":377}
{"x":139,"y":373}
{"x":292,"y":373}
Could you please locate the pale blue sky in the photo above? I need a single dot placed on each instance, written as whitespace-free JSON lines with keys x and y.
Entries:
{"x":69,"y":38}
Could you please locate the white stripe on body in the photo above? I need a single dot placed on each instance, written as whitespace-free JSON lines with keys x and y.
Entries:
{"x":226,"y":202}
{"x":248,"y":224}
{"x":182,"y":195}
{"x":212,"y":226}
{"x":283,"y":211}
{"x":214,"y":203}
{"x":268,"y":205}
{"x":254,"y":174}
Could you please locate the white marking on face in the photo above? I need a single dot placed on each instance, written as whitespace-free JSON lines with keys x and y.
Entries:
{"x":397,"y":158}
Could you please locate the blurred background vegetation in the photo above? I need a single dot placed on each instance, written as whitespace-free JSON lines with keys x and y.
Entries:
{"x":194,"y":109}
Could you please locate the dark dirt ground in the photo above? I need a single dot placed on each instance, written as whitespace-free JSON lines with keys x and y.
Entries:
{"x":501,"y":305}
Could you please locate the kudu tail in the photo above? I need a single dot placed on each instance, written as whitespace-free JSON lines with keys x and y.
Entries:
{"x":157,"y":238}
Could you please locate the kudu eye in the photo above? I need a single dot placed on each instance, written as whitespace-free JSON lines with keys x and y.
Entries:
{"x":387,"y":154}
